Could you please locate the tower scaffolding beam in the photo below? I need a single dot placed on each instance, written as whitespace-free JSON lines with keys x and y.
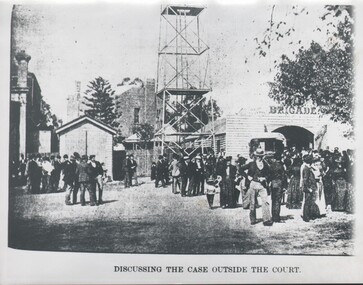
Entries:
{"x":181,"y":80}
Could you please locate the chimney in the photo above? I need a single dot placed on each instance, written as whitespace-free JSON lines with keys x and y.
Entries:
{"x":22,"y":59}
{"x":150,"y":86}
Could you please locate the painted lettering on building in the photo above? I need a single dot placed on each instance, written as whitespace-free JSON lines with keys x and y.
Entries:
{"x":293,"y":110}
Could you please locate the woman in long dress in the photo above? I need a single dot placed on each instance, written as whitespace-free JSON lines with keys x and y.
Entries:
{"x":317,"y":169}
{"x":308,"y":183}
{"x":339,"y":187}
{"x":295,"y":194}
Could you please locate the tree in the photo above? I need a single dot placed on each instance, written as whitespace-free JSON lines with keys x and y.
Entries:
{"x":100,"y":102}
{"x":145,"y":133}
{"x":202,"y":111}
{"x":47,"y":118}
{"x":321,"y":75}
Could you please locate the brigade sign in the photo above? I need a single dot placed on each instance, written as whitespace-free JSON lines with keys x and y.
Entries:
{"x":293,"y":110}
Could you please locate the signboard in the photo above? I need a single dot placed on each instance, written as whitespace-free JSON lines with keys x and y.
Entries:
{"x":293,"y":110}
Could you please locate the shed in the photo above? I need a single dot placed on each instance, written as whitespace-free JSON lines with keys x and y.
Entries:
{"x":86,"y":135}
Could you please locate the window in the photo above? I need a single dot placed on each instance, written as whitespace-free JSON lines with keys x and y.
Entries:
{"x":136,"y":115}
{"x":218,"y":145}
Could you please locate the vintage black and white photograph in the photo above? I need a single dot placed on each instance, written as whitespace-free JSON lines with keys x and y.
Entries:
{"x":182,"y":129}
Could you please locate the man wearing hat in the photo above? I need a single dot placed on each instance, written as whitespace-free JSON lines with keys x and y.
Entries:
{"x":175,"y":173}
{"x":95,"y":172}
{"x":160,"y":172}
{"x":69,"y":173}
{"x":221,"y":166}
{"x":77,"y":160}
{"x":126,"y":166}
{"x":184,"y":161}
{"x":259,"y":171}
{"x":83,"y":172}
{"x":166,"y":169}
{"x":277,"y":184}
{"x":191,"y":171}
{"x":34,"y":174}
{"x":199,"y":176}
{"x":228,"y":185}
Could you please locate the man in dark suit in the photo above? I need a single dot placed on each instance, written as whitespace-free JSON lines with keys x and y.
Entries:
{"x":199,"y":176}
{"x":166,"y":169}
{"x":221,"y":166}
{"x":126,"y":168}
{"x":55,"y":174}
{"x":133,"y":170}
{"x":83,"y":172}
{"x":228,"y":184}
{"x":191,"y":172}
{"x":184,"y":161}
{"x":69,"y":173}
{"x":35,"y":175}
{"x":278,"y":182}
{"x":160,"y":168}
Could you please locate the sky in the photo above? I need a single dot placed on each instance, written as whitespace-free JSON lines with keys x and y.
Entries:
{"x":70,"y":42}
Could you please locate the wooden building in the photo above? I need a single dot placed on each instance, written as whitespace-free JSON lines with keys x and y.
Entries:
{"x":86,"y":135}
{"x":301,"y":126}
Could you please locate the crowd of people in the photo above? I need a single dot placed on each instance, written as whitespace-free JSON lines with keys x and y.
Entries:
{"x":72,"y":174}
{"x":315,"y":181}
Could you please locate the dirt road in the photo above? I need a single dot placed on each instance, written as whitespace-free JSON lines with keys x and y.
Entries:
{"x":147,"y":220}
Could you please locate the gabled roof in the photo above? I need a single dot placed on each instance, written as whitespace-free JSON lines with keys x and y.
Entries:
{"x":81,"y":119}
{"x":134,"y":138}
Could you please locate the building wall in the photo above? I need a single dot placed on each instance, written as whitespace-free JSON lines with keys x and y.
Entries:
{"x":220,"y":143}
{"x":240,"y":128}
{"x":25,"y":108}
{"x":45,"y":140}
{"x":143,"y":98}
{"x":86,"y":138}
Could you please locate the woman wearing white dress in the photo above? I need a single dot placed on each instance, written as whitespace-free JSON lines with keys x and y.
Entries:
{"x":317,"y":169}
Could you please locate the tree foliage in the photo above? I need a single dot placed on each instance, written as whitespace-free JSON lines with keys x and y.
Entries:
{"x":100,"y":102}
{"x":47,"y":118}
{"x":145,"y":132}
{"x":321,"y":75}
{"x":200,"y":114}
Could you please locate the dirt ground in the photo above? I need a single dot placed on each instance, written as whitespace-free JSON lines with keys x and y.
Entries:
{"x":143,"y":219}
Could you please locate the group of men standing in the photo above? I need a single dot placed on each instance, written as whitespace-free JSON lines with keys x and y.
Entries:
{"x":41,"y":173}
{"x":72,"y":174}
{"x":188,"y":173}
{"x":82,"y":173}
{"x":130,"y":169}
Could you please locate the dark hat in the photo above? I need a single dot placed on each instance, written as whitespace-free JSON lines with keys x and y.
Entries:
{"x":66,"y":156}
{"x":84,"y":157}
{"x":228,"y":158}
{"x":308,"y":158}
{"x":76,"y":155}
{"x":259,"y":152}
{"x":92,"y":156}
